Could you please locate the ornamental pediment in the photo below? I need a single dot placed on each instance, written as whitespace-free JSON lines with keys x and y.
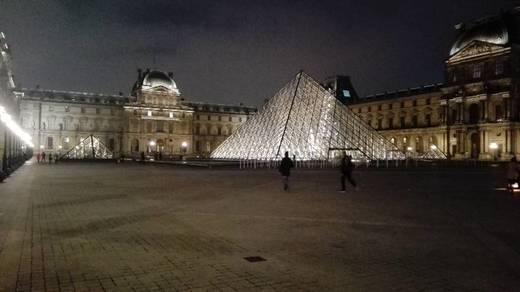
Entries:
{"x":477,"y":49}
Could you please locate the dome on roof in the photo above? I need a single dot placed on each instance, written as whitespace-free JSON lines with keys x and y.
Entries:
{"x":493,"y":31}
{"x":160,"y":81}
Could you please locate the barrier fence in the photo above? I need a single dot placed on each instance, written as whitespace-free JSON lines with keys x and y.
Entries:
{"x":377,"y":164}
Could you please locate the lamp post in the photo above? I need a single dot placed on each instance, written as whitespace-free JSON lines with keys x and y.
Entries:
{"x":184,"y":146}
{"x":494,"y":147}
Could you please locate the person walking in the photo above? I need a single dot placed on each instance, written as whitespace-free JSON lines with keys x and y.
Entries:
{"x":43,"y":157}
{"x":38,"y":157}
{"x":346,"y":172}
{"x":50,"y":158}
{"x":285,"y":170}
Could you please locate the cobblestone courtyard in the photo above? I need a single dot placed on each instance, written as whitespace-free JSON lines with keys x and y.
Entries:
{"x":130,"y":227}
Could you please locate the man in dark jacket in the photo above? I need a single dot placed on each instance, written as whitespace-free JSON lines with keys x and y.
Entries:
{"x":346,"y":171}
{"x":285,"y":170}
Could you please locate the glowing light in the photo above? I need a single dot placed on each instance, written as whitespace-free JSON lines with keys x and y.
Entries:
{"x":409,"y":148}
{"x":14,"y":127}
{"x":149,"y":113}
{"x":171,"y":115}
{"x":493,"y":145}
{"x":433,"y":147}
{"x":152,"y":143}
{"x":184,"y":144}
{"x":67,"y":140}
{"x":41,"y":147}
{"x":60,"y":147}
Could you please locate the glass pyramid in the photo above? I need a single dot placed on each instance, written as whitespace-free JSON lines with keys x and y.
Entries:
{"x":309,"y":122}
{"x":89,"y":148}
{"x":433,"y":153}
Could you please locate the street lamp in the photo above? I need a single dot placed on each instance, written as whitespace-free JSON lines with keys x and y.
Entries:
{"x":433,"y":147}
{"x":494,"y":146}
{"x":184,"y":146}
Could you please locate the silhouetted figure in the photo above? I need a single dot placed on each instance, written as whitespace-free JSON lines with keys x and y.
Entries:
{"x":50,"y":158}
{"x":38,"y":157}
{"x":346,"y":171}
{"x":285,"y":170}
{"x":43,"y":157}
{"x":142,"y":156}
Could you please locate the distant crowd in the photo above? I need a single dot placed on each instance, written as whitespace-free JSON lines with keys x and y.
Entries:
{"x":44,"y":158}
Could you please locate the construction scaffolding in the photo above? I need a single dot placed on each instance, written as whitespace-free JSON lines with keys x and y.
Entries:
{"x":89,"y":148}
{"x":306,"y":120}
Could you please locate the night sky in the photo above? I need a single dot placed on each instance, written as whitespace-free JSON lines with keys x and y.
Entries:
{"x":232,"y":51}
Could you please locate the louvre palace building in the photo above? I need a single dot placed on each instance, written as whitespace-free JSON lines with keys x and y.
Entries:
{"x":474,"y":114}
{"x":153,"y":119}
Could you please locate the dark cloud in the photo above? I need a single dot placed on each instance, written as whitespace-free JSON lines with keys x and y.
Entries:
{"x":232,"y":51}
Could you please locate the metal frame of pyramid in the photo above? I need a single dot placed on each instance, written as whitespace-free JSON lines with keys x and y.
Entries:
{"x":309,"y":122}
{"x":89,"y":148}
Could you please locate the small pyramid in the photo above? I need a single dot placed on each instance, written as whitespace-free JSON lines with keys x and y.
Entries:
{"x":309,"y":122}
{"x":89,"y":148}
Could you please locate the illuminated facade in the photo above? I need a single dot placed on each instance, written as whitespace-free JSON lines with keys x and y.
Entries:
{"x":13,"y":142}
{"x":475,"y":113}
{"x":309,"y":122}
{"x":154,"y":119}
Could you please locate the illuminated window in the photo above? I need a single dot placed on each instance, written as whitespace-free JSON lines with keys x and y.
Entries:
{"x":171,"y":115}
{"x":149,"y":113}
{"x":50,"y":143}
{"x":346,"y":93}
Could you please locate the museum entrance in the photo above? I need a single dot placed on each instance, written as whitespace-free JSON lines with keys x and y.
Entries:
{"x":475,"y":145}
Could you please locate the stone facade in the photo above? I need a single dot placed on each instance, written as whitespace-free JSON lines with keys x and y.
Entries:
{"x":154,"y":119}
{"x":11,"y":147}
{"x":475,"y":113}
